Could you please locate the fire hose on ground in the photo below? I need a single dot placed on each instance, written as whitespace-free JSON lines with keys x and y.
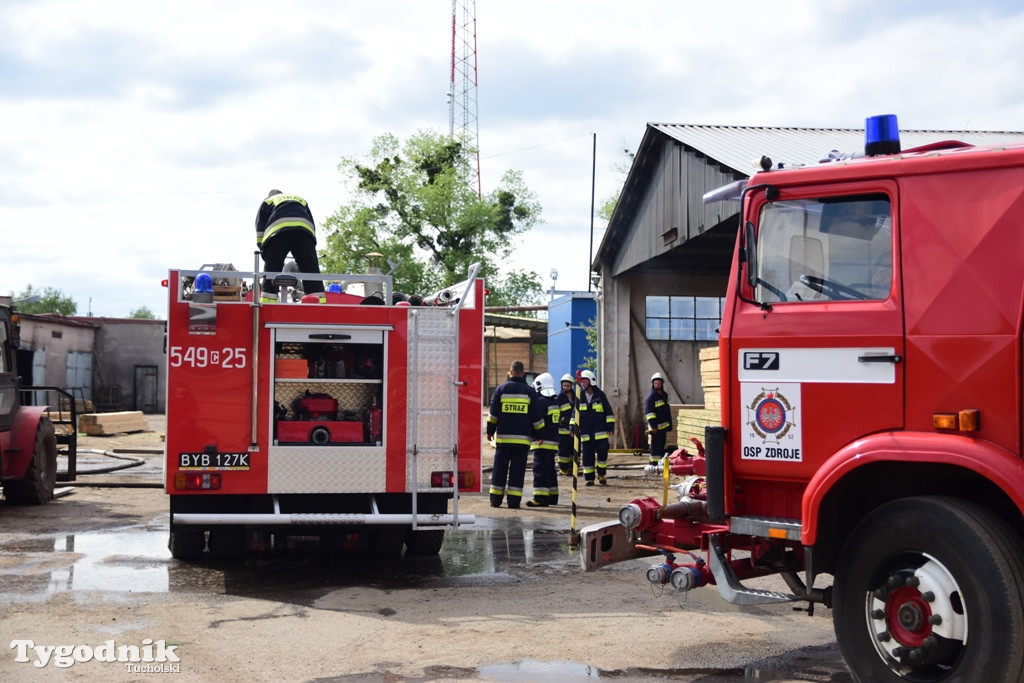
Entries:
{"x":130,"y":461}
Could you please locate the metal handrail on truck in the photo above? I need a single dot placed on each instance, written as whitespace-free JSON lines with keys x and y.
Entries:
{"x":68,"y":440}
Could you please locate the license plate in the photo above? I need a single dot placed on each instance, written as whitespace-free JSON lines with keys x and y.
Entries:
{"x":213,"y":461}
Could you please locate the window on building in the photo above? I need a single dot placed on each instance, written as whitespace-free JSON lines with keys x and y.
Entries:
{"x":683,"y":318}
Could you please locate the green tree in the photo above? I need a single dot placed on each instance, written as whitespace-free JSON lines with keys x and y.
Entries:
{"x":417,"y":205}
{"x":142,"y":313}
{"x":607,"y":208}
{"x":48,"y":300}
{"x":590,"y":360}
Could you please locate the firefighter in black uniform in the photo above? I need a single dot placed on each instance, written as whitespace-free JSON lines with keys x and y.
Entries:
{"x":566,"y":405}
{"x":284,"y":225}
{"x":596,"y":421}
{"x":545,"y":481}
{"x":513,"y":420}
{"x":658,"y":416}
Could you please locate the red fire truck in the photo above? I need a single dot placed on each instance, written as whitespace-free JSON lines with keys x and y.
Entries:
{"x":870,"y":450}
{"x":358,"y":418}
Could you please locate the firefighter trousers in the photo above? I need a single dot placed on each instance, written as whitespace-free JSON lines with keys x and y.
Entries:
{"x":658,"y":440}
{"x":301,"y":244}
{"x":565,"y":446}
{"x":545,"y":480}
{"x":509,"y":473}
{"x":594,"y":465}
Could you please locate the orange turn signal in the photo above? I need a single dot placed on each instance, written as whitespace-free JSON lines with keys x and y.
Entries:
{"x":968,"y":420}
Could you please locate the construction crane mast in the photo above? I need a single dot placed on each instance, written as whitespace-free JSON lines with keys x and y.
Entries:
{"x":462,"y":109}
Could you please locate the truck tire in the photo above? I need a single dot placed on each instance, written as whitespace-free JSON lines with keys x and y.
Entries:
{"x":386,"y":540}
{"x":423,"y":542}
{"x":931,"y":589}
{"x":227,"y":541}
{"x":36,"y":487}
{"x":187,"y":543}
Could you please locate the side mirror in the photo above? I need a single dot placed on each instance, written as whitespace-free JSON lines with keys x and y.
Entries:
{"x":750,"y":252}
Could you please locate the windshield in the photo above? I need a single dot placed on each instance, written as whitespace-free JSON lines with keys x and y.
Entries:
{"x":824,"y":249}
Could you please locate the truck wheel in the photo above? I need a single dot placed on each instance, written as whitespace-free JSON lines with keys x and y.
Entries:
{"x":36,"y":487}
{"x":187,"y":544}
{"x":227,"y":541}
{"x":387,"y":540}
{"x":422,"y":542}
{"x":931,"y":589}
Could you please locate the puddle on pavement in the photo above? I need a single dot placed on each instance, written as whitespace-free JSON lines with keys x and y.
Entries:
{"x":136,"y":560}
{"x":827,"y":667}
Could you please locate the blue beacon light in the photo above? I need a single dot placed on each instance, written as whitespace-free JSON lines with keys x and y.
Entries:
{"x":204,"y":283}
{"x":334,"y":288}
{"x":202,"y":289}
{"x":881,"y":135}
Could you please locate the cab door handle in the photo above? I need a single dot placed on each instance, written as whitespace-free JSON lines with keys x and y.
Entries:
{"x":879,"y":359}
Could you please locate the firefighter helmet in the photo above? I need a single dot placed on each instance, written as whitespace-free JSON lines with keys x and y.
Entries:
{"x":544,"y":384}
{"x":567,"y":378}
{"x":657,"y":375}
{"x":587,"y":374}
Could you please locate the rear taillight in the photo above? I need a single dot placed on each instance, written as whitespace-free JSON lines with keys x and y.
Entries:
{"x":443,"y":480}
{"x":197,"y":481}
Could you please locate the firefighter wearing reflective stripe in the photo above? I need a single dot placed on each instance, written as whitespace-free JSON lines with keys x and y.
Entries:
{"x":284,"y":225}
{"x":596,"y":420}
{"x":566,"y":404}
{"x":658,"y":416}
{"x":512,"y":422}
{"x":545,"y":447}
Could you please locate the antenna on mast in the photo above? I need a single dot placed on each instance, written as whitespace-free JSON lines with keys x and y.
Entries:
{"x":462,"y":110}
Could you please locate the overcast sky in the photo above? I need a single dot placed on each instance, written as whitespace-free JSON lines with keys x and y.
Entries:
{"x":140,"y":136}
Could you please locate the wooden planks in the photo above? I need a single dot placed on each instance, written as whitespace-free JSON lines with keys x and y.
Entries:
{"x":105,"y":424}
{"x":691,"y":419}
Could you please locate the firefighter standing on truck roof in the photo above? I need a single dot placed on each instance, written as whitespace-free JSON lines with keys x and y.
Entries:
{"x":512,"y":421}
{"x":566,"y":404}
{"x":596,"y":420}
{"x":658,"y":416}
{"x":545,"y":481}
{"x":284,"y":225}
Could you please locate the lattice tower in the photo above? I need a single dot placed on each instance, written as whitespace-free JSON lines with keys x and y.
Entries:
{"x":462,"y":103}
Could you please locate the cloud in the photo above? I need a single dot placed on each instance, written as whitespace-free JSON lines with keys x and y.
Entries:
{"x":141,"y":136}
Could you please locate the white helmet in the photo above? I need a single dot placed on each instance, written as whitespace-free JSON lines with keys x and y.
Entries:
{"x":568,"y":378}
{"x":657,"y":375}
{"x":587,"y":374}
{"x":544,"y":384}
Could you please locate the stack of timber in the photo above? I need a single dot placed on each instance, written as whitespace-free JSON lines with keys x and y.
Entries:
{"x":225,"y":293}
{"x":105,"y":424}
{"x":691,"y":419}
{"x":81,"y":405}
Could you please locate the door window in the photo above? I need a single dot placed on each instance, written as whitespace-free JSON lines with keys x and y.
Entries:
{"x":831,"y":249}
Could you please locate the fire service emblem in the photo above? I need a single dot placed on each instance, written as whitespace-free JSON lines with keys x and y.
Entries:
{"x":770,"y":415}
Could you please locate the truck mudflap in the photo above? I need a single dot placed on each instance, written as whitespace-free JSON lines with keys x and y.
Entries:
{"x":606,"y":543}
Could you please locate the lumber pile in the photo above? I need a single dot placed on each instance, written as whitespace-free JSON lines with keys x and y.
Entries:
{"x":691,"y":419}
{"x":81,"y":405}
{"x":105,"y":424}
{"x":225,"y":293}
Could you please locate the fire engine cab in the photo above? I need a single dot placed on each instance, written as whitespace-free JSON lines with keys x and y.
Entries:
{"x":870,"y":450}
{"x":358,"y":418}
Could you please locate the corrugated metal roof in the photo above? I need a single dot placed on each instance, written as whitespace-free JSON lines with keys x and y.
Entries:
{"x":739,"y":147}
